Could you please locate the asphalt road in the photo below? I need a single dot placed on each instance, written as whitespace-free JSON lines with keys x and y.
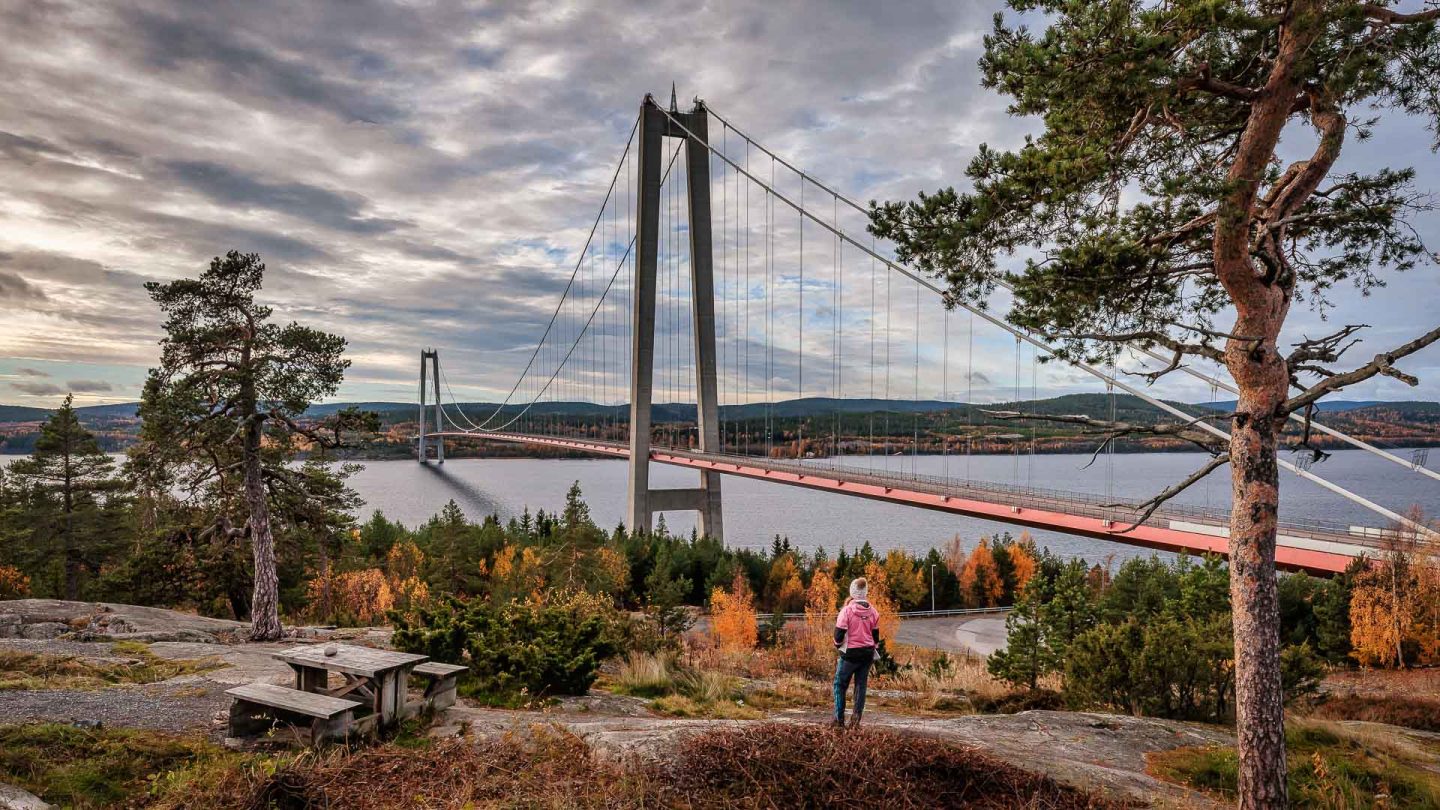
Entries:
{"x":980,"y":635}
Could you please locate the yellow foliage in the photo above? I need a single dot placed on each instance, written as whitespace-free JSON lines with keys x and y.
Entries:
{"x":732,"y":617}
{"x":611,"y":572}
{"x":404,"y":560}
{"x":517,"y":576}
{"x":13,"y":583}
{"x":907,"y":583}
{"x":1395,"y":604}
{"x":883,"y":602}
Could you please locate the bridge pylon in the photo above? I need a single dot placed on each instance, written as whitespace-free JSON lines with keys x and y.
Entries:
{"x":643,"y":501}
{"x":430,"y":361}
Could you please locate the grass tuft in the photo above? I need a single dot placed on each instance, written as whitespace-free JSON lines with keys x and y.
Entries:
{"x":25,"y":670}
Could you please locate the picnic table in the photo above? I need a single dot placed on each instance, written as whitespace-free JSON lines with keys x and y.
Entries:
{"x":376,"y":678}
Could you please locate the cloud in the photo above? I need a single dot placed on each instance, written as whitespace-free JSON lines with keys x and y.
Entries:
{"x":89,"y":386}
{"x":14,"y":288}
{"x":39,"y":389}
{"x":426,"y":175}
{"x":31,"y":372}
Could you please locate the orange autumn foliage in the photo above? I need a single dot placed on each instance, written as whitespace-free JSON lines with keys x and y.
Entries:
{"x":354,"y":597}
{"x":980,"y":583}
{"x":13,"y":583}
{"x":881,"y":599}
{"x":820,"y":600}
{"x":1395,"y":603}
{"x":732,"y":617}
{"x":1022,"y":561}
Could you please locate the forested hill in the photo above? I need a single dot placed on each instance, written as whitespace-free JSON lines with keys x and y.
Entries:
{"x":1393,"y":423}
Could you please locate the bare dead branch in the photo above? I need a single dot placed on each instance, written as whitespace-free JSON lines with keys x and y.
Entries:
{"x":1327,"y":349}
{"x":1382,"y":365}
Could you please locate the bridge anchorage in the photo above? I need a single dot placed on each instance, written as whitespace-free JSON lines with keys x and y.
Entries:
{"x":650,"y":322}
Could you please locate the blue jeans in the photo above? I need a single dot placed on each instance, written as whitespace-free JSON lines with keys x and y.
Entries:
{"x":844,"y":671}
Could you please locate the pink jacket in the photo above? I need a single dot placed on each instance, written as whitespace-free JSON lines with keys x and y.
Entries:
{"x":860,"y":622}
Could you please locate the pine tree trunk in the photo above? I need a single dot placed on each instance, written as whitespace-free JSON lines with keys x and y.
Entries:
{"x":265,"y":606}
{"x":1255,"y":481}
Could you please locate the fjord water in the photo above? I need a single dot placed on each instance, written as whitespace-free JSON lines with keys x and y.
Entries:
{"x":755,"y":511}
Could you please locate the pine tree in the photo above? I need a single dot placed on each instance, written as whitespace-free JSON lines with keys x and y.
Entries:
{"x":1069,"y":611}
{"x":1026,"y":657}
{"x":226,"y":407}
{"x":665,"y":598}
{"x":69,"y":464}
{"x":1156,"y":208}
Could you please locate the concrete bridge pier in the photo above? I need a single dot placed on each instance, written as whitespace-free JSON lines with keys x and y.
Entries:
{"x":643,"y":502}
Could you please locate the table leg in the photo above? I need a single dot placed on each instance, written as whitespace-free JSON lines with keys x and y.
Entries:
{"x":310,"y":679}
{"x":385,"y":698}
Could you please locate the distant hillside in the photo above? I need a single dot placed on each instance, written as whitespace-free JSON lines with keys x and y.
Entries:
{"x":1395,"y":424}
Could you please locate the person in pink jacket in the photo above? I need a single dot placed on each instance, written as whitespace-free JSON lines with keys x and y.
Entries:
{"x":857,"y":631}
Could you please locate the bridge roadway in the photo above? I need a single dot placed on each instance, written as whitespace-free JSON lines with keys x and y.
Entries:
{"x":1316,"y":548}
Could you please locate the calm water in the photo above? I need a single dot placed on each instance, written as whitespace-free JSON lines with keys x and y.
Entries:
{"x":755,"y":511}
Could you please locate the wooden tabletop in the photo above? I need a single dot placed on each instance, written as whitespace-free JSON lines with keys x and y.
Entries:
{"x":365,"y":662}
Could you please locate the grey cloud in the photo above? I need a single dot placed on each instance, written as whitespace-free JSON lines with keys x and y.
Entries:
{"x":39,"y":389}
{"x":199,"y":43}
{"x":26,"y":149}
{"x":229,"y":186}
{"x":38,"y":264}
{"x":31,"y":372}
{"x":89,"y":386}
{"x":14,"y":288}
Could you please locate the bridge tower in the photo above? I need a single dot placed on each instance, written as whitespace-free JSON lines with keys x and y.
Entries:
{"x":430,"y":360}
{"x":643,"y":501}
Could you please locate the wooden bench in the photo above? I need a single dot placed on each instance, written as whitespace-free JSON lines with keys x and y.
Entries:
{"x":258,"y":706}
{"x":440,"y":688}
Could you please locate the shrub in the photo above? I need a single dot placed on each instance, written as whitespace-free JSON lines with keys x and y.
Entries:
{"x":802,"y":765}
{"x":13,"y":583}
{"x":514,"y":648}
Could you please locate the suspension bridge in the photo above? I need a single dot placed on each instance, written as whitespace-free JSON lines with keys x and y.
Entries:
{"x":718,"y":279}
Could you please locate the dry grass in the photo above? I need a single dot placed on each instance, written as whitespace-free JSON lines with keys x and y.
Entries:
{"x":1410,"y":712}
{"x":644,"y":675}
{"x":23,"y":670}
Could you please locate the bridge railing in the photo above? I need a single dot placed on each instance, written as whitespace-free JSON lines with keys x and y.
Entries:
{"x":1076,"y":503}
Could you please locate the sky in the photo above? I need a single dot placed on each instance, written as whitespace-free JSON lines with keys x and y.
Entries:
{"x":424,"y":174}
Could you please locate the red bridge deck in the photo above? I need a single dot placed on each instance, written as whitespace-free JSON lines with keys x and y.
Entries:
{"x":1317,"y":549}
